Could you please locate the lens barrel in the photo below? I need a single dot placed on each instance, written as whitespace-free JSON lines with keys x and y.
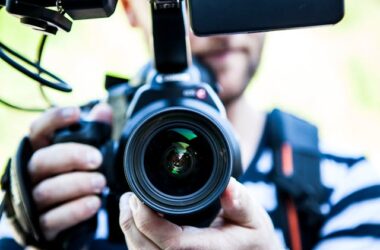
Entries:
{"x":178,"y":161}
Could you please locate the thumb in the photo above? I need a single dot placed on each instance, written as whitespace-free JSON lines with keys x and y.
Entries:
{"x":102,"y":112}
{"x":240,"y":207}
{"x":125,"y":216}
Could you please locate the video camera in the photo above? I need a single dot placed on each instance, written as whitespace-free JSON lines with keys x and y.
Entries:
{"x":176,"y":150}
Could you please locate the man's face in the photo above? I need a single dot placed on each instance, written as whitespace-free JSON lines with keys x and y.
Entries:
{"x":233,"y":59}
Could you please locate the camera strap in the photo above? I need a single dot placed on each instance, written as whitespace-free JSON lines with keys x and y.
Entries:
{"x":296,"y":174}
{"x":18,"y":204}
{"x":4,"y":186}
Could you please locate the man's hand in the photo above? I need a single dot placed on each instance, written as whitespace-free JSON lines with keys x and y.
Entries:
{"x":65,"y":187}
{"x":242,"y":224}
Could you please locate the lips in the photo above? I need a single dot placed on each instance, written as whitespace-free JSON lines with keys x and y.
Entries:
{"x":219,"y":59}
{"x":218,"y":55}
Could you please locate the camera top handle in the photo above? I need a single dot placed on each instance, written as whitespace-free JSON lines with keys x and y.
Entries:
{"x":170,"y":36}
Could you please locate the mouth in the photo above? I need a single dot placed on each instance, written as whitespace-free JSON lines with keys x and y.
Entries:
{"x":218,"y":55}
{"x":218,"y":59}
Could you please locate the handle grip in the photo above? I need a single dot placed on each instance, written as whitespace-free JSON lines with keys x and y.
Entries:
{"x":96,"y":134}
{"x":92,"y":133}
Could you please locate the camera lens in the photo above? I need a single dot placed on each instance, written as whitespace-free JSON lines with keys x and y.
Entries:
{"x":178,"y":160}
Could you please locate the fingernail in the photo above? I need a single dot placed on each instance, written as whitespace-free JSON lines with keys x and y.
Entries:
{"x":68,"y":113}
{"x":92,"y":204}
{"x":93,"y":158}
{"x":133,"y":203}
{"x":124,"y":201}
{"x":98,"y":182}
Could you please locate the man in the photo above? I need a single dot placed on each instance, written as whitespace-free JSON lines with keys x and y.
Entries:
{"x":65,"y":188}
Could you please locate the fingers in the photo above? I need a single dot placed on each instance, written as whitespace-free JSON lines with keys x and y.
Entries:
{"x":68,"y":215}
{"x":43,"y":128}
{"x":245,"y":225}
{"x":61,"y":158}
{"x":134,"y":238}
{"x":241,"y":208}
{"x":138,"y":219}
{"x":66,"y":187}
{"x":72,"y":193}
{"x":159,"y":230}
{"x":102,"y":113}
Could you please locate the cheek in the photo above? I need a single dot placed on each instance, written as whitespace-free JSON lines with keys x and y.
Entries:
{"x":198,"y":44}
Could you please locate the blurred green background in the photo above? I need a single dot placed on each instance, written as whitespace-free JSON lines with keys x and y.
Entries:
{"x":329,"y":75}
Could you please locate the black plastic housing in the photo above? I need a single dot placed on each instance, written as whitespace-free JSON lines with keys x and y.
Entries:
{"x":88,"y":9}
{"x":158,"y":105}
{"x":210,"y":17}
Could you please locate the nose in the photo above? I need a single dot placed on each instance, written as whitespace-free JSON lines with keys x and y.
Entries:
{"x":220,"y":41}
{"x":212,"y":43}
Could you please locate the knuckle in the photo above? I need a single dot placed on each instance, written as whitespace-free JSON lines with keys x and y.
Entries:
{"x":36,"y":161}
{"x":83,"y":186}
{"x":71,"y":150}
{"x":172,"y":244}
{"x":126,"y":222}
{"x":79,"y":214}
{"x":36,"y":124}
{"x":53,"y":113}
{"x":85,"y":183}
{"x":46,"y":224}
{"x":144,"y":225}
{"x":49,"y":230}
{"x":81,"y":155}
{"x":96,"y":183}
{"x":33,"y":128}
{"x":73,"y":153}
{"x":87,"y":207}
{"x":40,"y":194}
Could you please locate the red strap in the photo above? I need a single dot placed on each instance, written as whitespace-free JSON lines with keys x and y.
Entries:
{"x":292,"y":216}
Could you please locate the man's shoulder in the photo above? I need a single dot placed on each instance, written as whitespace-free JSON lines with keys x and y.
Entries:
{"x":352,"y":212}
{"x":346,"y":171}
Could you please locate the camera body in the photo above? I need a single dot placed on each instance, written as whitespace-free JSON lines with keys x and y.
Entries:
{"x":176,"y":151}
{"x":180,"y":150}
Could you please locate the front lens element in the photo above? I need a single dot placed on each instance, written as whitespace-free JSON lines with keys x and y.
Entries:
{"x":178,"y":161}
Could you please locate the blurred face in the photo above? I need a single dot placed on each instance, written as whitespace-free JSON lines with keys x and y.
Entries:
{"x":233,"y":59}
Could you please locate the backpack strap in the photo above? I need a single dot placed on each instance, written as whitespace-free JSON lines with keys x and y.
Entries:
{"x":296,"y":174}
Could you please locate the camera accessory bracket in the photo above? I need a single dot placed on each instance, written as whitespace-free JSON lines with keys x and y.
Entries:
{"x":38,"y":16}
{"x":41,"y":16}
{"x":170,"y":36}
{"x":166,"y":4}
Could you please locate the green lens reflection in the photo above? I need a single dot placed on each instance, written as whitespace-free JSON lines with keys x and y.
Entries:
{"x":177,"y":160}
{"x":187,"y":133}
